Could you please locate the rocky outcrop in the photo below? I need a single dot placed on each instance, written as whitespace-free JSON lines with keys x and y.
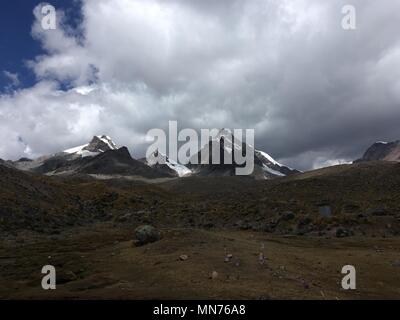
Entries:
{"x":382,"y":151}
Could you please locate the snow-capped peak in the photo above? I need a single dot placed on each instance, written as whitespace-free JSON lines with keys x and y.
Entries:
{"x":156,"y":157}
{"x":226,"y":133}
{"x":230,"y":141}
{"x":108,"y":141}
{"x":76,"y":149}
{"x":273,"y":167}
{"x":268,"y":158}
{"x":98,"y":145}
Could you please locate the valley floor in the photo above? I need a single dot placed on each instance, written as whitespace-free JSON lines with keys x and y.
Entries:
{"x":101,"y":262}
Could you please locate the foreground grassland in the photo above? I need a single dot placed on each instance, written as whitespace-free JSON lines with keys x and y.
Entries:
{"x":102,"y":263}
{"x":307,"y":226}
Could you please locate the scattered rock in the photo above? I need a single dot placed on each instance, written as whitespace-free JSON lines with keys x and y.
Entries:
{"x":146,"y":234}
{"x":228,"y":257}
{"x":270,"y":227}
{"x":214,"y":275}
{"x":261,"y":258}
{"x":343,"y":233}
{"x":325,"y":211}
{"x":183,"y":257}
{"x":305,"y":284}
{"x":125,"y":217}
{"x":396,"y":263}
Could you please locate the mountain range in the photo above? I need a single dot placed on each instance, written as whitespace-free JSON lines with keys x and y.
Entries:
{"x":80,"y":210}
{"x":102,"y":158}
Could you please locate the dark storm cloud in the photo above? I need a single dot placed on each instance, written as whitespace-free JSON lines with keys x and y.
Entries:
{"x":315,"y":93}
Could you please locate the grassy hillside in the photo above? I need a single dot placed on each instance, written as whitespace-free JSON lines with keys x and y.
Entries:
{"x":363,"y":197}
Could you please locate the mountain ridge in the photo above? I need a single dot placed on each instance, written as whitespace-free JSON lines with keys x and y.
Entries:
{"x":103,"y":151}
{"x":265,"y":167}
{"x":382,"y":151}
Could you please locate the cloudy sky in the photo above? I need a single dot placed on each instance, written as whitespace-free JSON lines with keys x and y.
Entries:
{"x":315,"y":93}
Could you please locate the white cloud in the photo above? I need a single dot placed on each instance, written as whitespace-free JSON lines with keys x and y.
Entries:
{"x":323,"y":162}
{"x":13,"y":77}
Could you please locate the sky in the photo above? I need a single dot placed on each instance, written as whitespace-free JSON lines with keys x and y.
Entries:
{"x":315,"y":93}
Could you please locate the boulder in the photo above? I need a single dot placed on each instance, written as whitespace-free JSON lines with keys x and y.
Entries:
{"x":146,"y":234}
{"x":343,"y":233}
{"x":183,"y":257}
{"x":325,"y":211}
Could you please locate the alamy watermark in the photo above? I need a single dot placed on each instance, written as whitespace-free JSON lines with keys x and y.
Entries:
{"x":349,"y":280}
{"x":229,"y":149}
{"x":349,"y":20}
{"x":49,"y":280}
{"x":49,"y":17}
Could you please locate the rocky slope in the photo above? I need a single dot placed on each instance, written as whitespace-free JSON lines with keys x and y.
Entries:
{"x":101,"y":156}
{"x":360,"y":199}
{"x":265,"y":167}
{"x":119,"y":162}
{"x":163,"y":163}
{"x":382,"y":151}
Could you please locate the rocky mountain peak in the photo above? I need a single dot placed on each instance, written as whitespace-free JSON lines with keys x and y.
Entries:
{"x":100,"y":144}
{"x":382,"y":151}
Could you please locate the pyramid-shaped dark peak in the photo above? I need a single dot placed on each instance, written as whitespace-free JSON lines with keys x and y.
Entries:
{"x":101,"y":144}
{"x":382,"y":151}
{"x":123,"y":151}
